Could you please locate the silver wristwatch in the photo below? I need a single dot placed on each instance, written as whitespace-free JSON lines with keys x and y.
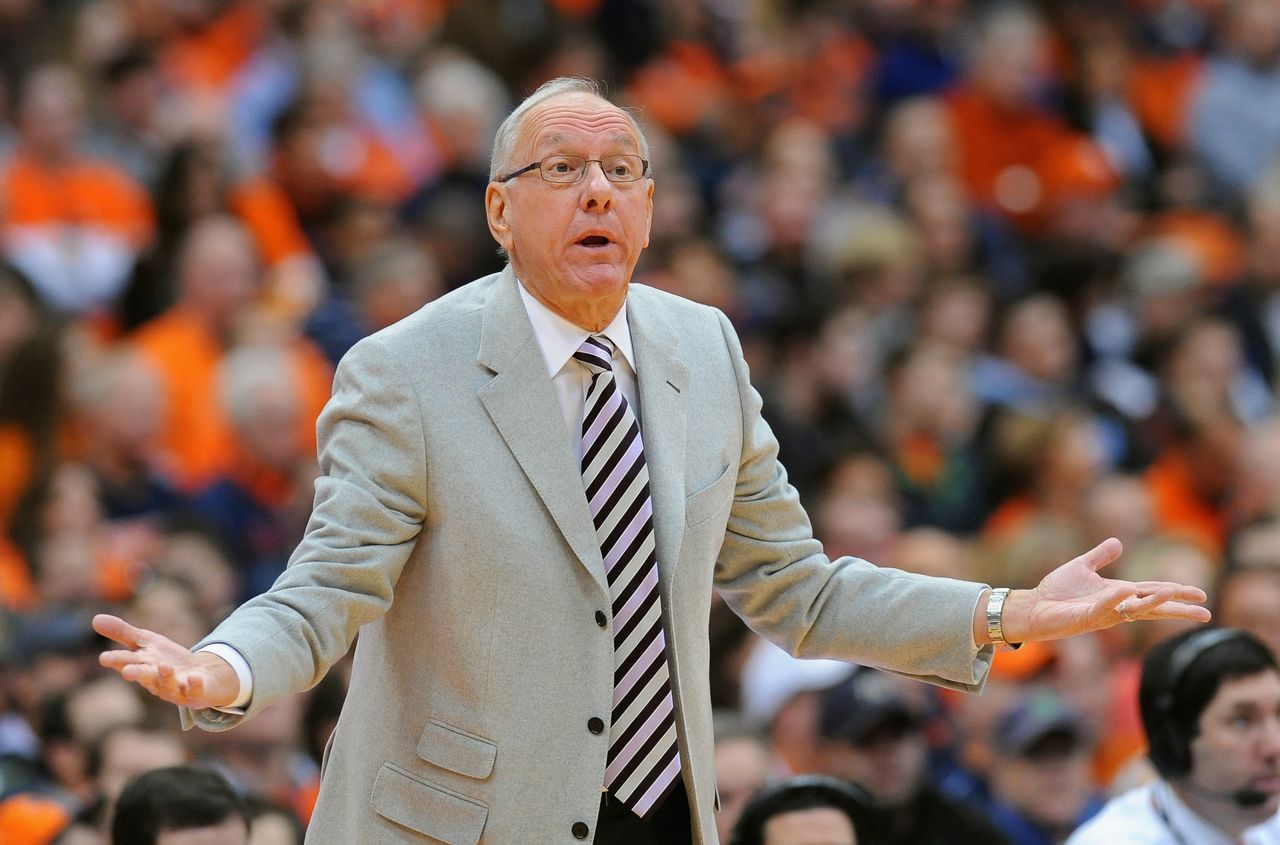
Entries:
{"x":995,"y":610}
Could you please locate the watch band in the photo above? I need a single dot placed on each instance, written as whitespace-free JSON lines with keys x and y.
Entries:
{"x":995,"y":612}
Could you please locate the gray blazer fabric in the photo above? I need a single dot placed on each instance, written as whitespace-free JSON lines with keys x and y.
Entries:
{"x":451,"y":531}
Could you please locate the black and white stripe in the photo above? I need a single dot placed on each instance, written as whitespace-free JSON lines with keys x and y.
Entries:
{"x":644,"y":757}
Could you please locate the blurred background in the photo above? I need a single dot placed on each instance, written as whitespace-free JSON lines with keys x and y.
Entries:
{"x":1007,"y":274}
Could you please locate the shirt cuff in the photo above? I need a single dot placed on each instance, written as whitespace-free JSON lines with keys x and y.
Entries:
{"x":243,"y":674}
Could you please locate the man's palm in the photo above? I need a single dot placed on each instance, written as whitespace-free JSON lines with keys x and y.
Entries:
{"x":165,"y":668}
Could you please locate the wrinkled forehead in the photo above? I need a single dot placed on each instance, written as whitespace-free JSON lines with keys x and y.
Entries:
{"x":573,"y":120}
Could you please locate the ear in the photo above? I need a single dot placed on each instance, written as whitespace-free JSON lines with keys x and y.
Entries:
{"x":648,"y":212}
{"x":497,"y":212}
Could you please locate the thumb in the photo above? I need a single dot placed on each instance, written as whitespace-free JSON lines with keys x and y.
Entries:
{"x":1102,"y":554}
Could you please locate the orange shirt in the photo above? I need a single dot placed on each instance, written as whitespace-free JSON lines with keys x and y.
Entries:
{"x":1021,"y":162}
{"x":17,"y":469}
{"x":1160,"y":92}
{"x":271,"y":219}
{"x":196,"y":432}
{"x":211,"y":57}
{"x":1179,"y":510}
{"x":30,"y":819}
{"x":84,"y":191}
{"x":17,"y":591}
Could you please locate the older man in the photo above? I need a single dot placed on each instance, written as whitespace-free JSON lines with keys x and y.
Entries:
{"x":533,"y":661}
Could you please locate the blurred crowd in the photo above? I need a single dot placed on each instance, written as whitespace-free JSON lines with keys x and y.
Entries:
{"x":1007,"y":275}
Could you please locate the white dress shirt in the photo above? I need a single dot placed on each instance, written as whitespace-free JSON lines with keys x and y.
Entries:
{"x":558,"y":339}
{"x":1154,"y":815}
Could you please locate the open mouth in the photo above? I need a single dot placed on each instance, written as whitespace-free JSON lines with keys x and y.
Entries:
{"x":594,"y":241}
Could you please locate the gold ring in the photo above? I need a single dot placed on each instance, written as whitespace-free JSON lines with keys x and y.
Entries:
{"x":1123,"y":609}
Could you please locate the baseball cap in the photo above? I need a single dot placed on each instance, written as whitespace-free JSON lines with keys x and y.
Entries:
{"x":863,"y":703}
{"x":1040,"y":714}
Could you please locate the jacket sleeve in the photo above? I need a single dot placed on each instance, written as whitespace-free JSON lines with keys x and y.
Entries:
{"x":773,"y":573}
{"x":367,"y":514}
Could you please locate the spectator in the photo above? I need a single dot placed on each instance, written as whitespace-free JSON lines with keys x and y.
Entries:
{"x":1209,"y":701}
{"x":1249,"y":599}
{"x":873,"y":736}
{"x":218,"y":275}
{"x":173,"y":805}
{"x":262,"y":501}
{"x":271,"y":824}
{"x":803,"y":810}
{"x":389,"y":282}
{"x":1233,"y":111}
{"x":1041,"y":786}
{"x":1011,"y":148}
{"x":73,"y":224}
{"x":742,"y":767}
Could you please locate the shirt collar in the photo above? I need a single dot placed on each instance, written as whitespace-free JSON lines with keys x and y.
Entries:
{"x":1186,"y":822}
{"x":559,"y":339}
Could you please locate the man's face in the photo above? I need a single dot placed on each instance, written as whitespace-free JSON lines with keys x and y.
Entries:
{"x":573,"y":246}
{"x":1049,"y":783}
{"x":815,"y":826}
{"x":889,"y":761}
{"x":230,"y":832}
{"x":1238,"y":746}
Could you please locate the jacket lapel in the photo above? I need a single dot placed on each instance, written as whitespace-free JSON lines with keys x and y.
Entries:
{"x":522,"y":404}
{"x":663,"y":385}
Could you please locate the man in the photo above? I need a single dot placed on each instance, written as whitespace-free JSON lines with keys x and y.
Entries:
{"x":180,"y":805}
{"x":805,"y":810}
{"x":1210,"y":702}
{"x":874,"y":736}
{"x":541,"y":674}
{"x":1041,"y":783}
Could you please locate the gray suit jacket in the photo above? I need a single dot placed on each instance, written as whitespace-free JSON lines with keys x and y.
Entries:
{"x":450,"y":529}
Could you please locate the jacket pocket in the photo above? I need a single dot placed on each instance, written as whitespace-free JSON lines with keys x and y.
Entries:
{"x":426,"y":808}
{"x":456,"y":750}
{"x":704,"y":504}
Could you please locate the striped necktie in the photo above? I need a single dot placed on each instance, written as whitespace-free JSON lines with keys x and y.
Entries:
{"x":644,"y":759}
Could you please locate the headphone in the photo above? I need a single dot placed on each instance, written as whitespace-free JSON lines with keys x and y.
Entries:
{"x":1169,"y":749}
{"x":854,"y":801}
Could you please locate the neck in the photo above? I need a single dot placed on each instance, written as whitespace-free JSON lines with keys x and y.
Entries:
{"x":1221,"y":812}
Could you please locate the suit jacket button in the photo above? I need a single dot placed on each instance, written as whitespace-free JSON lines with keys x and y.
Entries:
{"x":601,"y":619}
{"x":580,"y":830}
{"x":596,"y":725}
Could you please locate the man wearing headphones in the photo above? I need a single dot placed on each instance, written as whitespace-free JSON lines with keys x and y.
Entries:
{"x":1210,"y":702}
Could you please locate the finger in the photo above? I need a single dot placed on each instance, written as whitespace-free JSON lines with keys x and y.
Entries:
{"x":115,"y":628}
{"x":1178,"y":610}
{"x":193,"y":688}
{"x":1102,"y":554}
{"x":1182,"y":592}
{"x":1116,"y":592}
{"x":143,"y":674}
{"x":119,"y":659}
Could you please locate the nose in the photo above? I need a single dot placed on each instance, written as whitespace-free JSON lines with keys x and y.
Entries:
{"x":1270,"y":739}
{"x":597,"y":191}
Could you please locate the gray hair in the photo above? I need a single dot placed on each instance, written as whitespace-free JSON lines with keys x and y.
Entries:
{"x":249,"y":373}
{"x":504,"y":141}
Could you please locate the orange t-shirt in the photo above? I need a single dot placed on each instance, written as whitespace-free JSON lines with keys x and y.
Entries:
{"x":1021,"y":162}
{"x":1179,"y":511}
{"x":85,"y":191}
{"x":271,"y":220}
{"x":30,"y":819}
{"x":212,"y":56}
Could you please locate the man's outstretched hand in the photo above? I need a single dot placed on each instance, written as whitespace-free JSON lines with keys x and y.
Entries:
{"x":166,"y":669}
{"x":1075,"y":599}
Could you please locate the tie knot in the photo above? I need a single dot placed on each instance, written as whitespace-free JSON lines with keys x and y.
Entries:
{"x":596,"y":353}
